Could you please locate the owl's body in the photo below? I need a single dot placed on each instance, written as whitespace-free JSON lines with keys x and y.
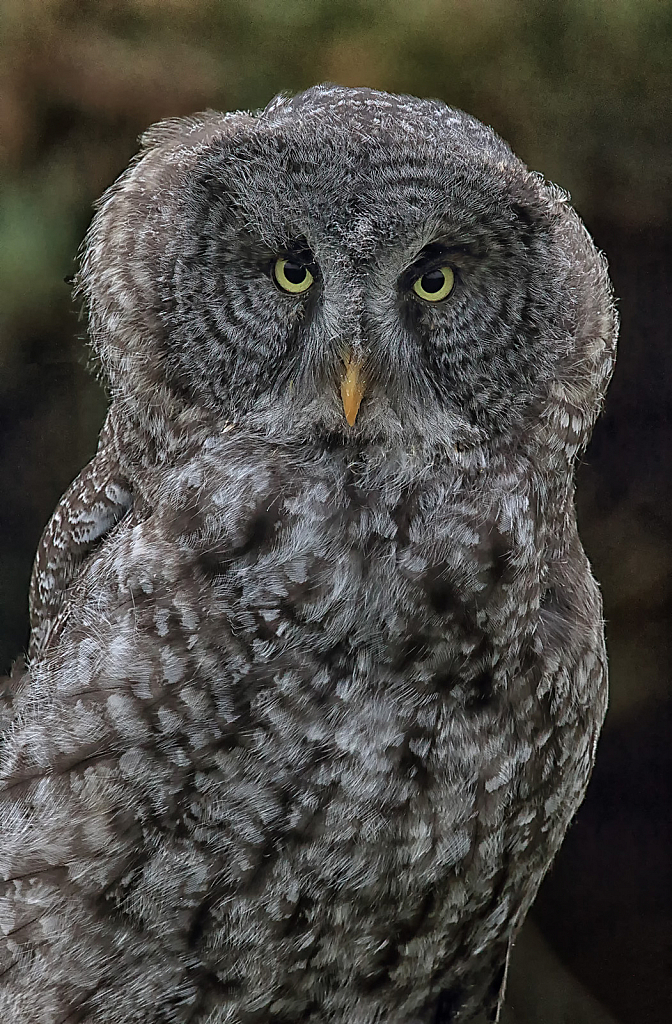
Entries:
{"x":314,"y":702}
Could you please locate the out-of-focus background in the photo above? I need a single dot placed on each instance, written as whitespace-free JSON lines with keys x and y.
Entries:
{"x":582,"y":89}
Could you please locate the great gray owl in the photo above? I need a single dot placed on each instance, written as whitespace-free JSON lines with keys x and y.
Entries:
{"x":317,"y":667}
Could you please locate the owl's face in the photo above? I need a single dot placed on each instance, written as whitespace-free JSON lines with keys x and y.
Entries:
{"x":345,"y":263}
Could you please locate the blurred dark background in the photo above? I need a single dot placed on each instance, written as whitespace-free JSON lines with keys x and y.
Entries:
{"x":583,"y":92}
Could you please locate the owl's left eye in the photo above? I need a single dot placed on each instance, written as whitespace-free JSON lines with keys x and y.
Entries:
{"x":435,"y":284}
{"x":292,"y":276}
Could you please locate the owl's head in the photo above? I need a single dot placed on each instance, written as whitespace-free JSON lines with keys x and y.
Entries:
{"x":354,"y":264}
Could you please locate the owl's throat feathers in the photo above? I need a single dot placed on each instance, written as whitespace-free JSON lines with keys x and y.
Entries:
{"x":352,"y":387}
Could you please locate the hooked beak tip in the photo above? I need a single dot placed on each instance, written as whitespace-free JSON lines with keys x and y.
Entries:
{"x":352,"y":389}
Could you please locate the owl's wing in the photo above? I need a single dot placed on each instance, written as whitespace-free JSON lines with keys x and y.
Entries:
{"x":93,"y":504}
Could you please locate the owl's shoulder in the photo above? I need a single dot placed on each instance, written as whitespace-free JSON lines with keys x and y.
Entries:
{"x":98,"y":498}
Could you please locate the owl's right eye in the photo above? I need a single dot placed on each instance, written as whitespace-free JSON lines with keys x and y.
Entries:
{"x":292,"y":276}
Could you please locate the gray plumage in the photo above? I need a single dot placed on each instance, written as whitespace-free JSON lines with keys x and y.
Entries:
{"x":309,"y":705}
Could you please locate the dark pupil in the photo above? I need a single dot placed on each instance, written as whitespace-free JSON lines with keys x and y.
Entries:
{"x":433,"y":281}
{"x":295,"y":272}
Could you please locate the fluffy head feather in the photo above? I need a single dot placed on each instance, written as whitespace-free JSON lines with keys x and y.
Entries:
{"x":177,"y":275}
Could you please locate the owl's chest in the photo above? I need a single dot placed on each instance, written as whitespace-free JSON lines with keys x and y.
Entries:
{"x":372,"y":679}
{"x":346,"y":675}
{"x":383,"y":580}
{"x":371,"y":640}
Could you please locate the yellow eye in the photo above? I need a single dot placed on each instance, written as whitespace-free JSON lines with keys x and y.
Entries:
{"x":435,"y":284}
{"x":292,"y":276}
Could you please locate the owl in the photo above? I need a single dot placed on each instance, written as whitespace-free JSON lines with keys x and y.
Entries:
{"x":317,"y":666}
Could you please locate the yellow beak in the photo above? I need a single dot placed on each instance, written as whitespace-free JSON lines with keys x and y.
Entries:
{"x":352,"y":388}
